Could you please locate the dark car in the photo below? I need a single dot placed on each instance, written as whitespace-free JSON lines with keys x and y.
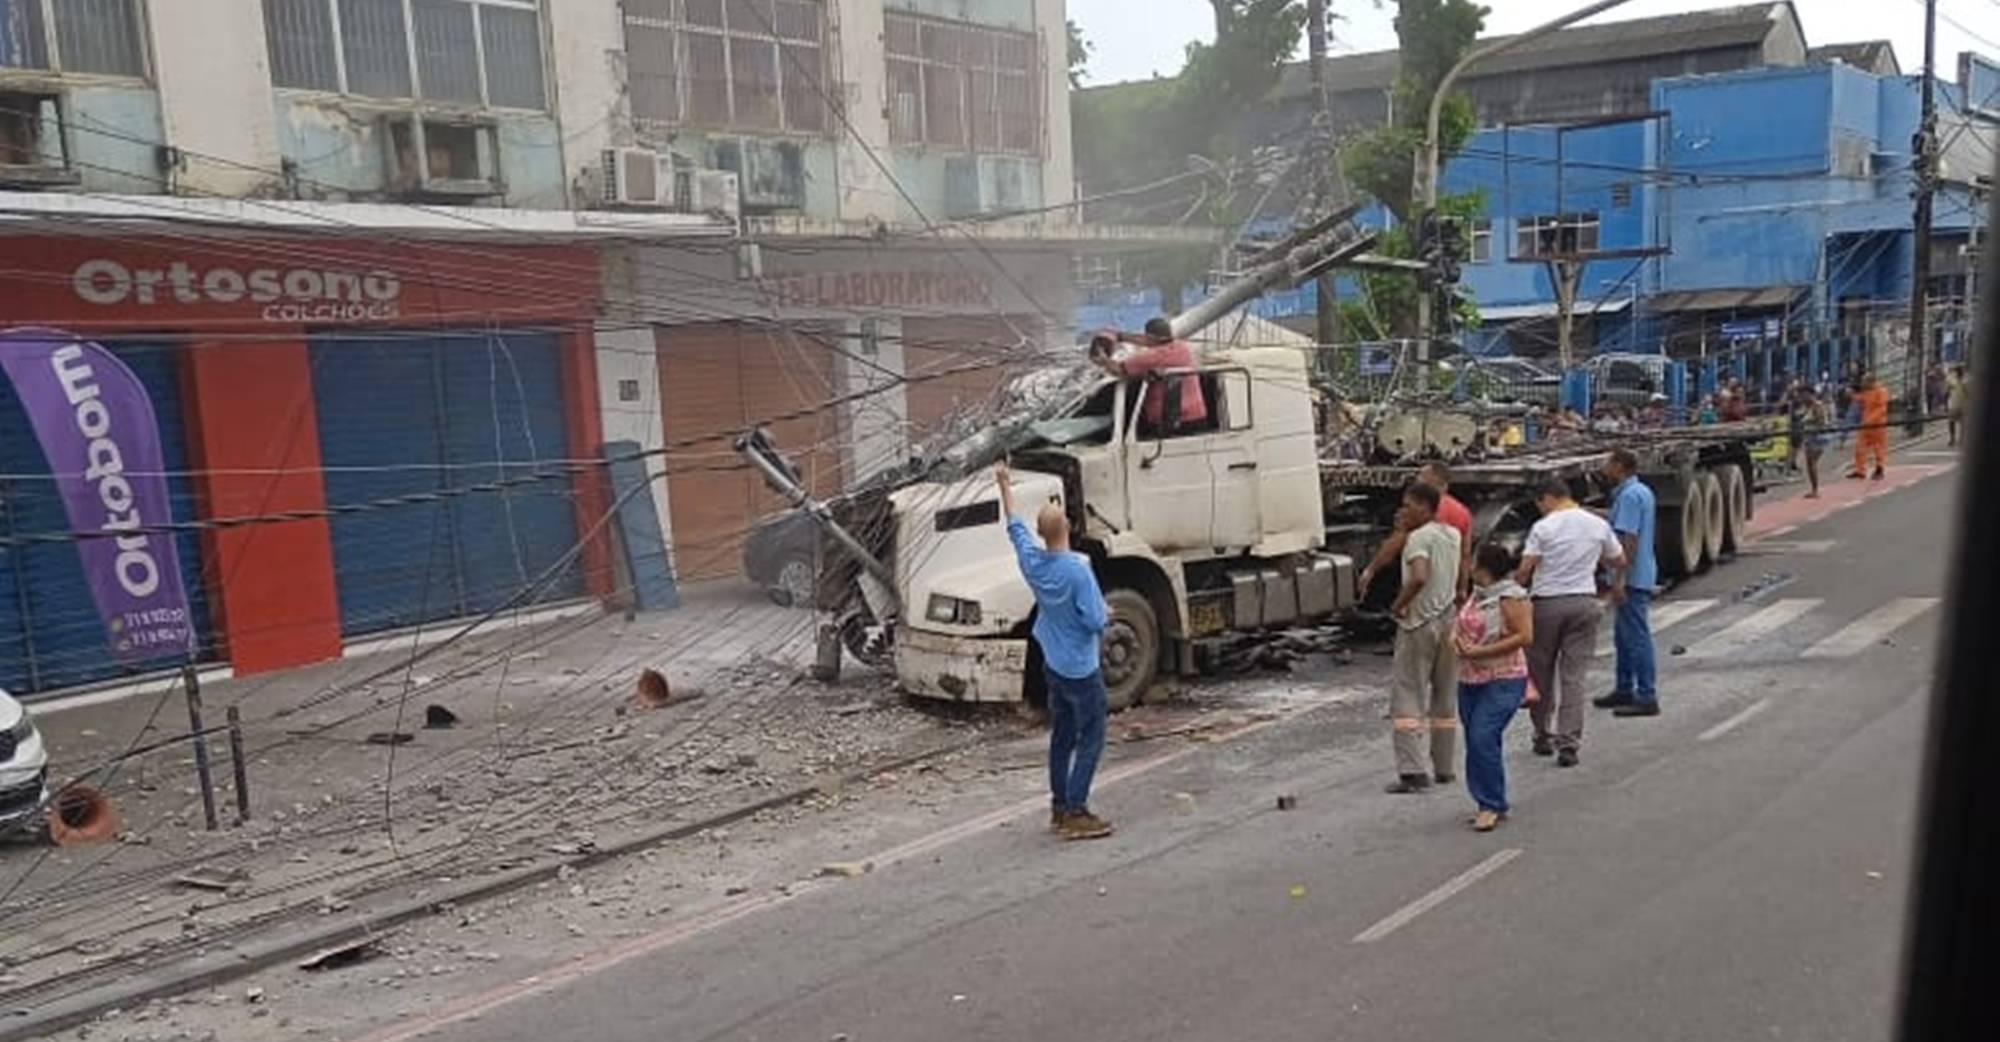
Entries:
{"x":780,"y":554}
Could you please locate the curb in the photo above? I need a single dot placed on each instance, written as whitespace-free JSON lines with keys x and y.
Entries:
{"x":142,"y":986}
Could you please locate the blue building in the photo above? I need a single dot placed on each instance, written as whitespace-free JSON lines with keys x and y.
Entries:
{"x":1741,"y":188}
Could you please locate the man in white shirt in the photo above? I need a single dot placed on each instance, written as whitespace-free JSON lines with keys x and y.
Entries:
{"x":1559,"y":565}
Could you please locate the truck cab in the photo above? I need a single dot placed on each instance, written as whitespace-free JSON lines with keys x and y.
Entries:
{"x":1193,"y":529}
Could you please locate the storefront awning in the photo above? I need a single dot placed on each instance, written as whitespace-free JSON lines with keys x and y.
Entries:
{"x":1547,"y":309}
{"x":1724,"y":299}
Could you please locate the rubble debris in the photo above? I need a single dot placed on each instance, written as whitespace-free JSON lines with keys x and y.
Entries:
{"x":847,"y":869}
{"x":1183,"y":803}
{"x":208,"y":877}
{"x":253,"y":995}
{"x":346,"y":953}
{"x":391,"y":738}
{"x":1287,"y":801}
{"x":438,"y":718}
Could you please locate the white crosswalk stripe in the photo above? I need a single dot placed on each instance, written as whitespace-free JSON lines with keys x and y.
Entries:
{"x":1864,"y":632}
{"x":1774,"y":547}
{"x":1752,"y":628}
{"x":1663,"y":615}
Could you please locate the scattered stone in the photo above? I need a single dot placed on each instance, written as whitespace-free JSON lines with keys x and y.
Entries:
{"x":437,"y":717}
{"x":746,"y":759}
{"x":348,"y":953}
{"x":1183,"y":803}
{"x":207,"y":877}
{"x":847,"y":869}
{"x":734,"y":889}
{"x":1287,"y":801}
{"x":253,"y":995}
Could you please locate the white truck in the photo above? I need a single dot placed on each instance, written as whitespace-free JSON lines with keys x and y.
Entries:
{"x":1232,"y":525}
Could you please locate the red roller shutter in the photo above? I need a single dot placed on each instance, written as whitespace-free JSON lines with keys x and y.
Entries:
{"x":715,"y":382}
{"x":958,"y":363}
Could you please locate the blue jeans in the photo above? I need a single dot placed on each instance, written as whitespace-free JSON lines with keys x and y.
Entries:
{"x":1076,"y":737}
{"x":1485,"y":710}
{"x":1632,"y":635}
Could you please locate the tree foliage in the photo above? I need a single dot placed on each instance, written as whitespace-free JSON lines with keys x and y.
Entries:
{"x":1432,"y":35}
{"x":1079,"y":53}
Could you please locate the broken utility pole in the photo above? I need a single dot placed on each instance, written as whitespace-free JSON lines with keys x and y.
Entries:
{"x":1923,"y":163}
{"x":1326,"y":316}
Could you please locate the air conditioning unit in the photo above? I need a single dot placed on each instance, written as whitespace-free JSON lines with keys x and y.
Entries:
{"x":637,"y":177}
{"x":708,"y":191}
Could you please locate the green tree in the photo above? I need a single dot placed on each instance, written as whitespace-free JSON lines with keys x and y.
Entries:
{"x":1079,"y":53}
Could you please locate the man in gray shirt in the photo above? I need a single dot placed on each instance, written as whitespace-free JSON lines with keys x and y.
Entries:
{"x":1423,"y":695}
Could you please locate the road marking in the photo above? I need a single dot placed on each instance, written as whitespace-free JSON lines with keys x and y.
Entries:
{"x":1863,"y":632}
{"x":1791,"y":546}
{"x":1752,"y":628}
{"x":1734,"y":722}
{"x":1663,"y":616}
{"x":563,"y":974}
{"x":1947,"y":453}
{"x":1401,"y":917}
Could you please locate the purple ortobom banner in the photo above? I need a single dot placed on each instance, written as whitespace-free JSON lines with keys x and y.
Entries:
{"x":95,"y":422}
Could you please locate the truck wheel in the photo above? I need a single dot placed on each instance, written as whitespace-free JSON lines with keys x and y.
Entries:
{"x":1735,"y":507}
{"x":1715,"y":516}
{"x":1131,"y":653}
{"x":1682,"y":524}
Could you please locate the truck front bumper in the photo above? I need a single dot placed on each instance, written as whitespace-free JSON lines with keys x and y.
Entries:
{"x":961,"y":669}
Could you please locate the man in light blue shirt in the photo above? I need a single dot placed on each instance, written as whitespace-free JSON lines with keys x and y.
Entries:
{"x":1632,"y":518}
{"x":1069,"y":620}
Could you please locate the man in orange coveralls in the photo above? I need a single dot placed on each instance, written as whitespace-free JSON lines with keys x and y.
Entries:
{"x":1874,"y":433}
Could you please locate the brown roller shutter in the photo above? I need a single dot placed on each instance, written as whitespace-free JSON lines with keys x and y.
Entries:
{"x":958,"y":363}
{"x":715,"y":382}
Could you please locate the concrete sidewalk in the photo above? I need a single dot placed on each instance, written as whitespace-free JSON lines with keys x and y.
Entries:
{"x":546,"y":756}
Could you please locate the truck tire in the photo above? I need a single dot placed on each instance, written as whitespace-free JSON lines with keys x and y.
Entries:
{"x":1131,"y":651}
{"x":1683,"y":521}
{"x":1735,"y":508}
{"x":1715,"y":519}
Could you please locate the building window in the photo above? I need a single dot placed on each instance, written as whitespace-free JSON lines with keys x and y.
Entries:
{"x":1479,"y":241}
{"x":105,"y":37}
{"x":1557,"y":235}
{"x":743,"y":64}
{"x":463,"y":52}
{"x":961,"y":86}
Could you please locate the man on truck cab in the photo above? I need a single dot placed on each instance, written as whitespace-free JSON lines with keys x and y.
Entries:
{"x":1070,"y":616}
{"x":1160,"y":350}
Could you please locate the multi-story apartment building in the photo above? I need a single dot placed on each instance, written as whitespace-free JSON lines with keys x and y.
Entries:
{"x":362,"y":250}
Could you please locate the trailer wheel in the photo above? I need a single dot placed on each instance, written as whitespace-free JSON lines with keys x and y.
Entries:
{"x":1683,"y":521}
{"x":1715,"y":516}
{"x":1736,"y":508}
{"x":1130,"y":657}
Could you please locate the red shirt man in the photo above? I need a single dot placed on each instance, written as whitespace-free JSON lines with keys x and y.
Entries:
{"x":1452,"y":512}
{"x":1164,"y":351}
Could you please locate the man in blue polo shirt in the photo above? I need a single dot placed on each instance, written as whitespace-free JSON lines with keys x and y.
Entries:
{"x":1070,"y":616}
{"x":1632,"y":518}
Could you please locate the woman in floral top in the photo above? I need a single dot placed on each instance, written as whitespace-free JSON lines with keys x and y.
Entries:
{"x":1494,"y":627}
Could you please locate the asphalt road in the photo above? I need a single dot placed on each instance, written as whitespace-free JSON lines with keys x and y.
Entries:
{"x":1735,"y":869}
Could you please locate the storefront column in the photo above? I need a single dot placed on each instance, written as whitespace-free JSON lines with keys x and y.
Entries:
{"x":584,"y":423}
{"x":253,"y":435}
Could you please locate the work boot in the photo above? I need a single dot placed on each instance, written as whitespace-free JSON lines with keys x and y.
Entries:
{"x":1543,"y":746}
{"x":1612,"y":700}
{"x":1056,"y":818}
{"x":1444,"y":777}
{"x":1877,"y":476}
{"x":1638,"y":709}
{"x":1566,"y":758}
{"x":1083,"y":824}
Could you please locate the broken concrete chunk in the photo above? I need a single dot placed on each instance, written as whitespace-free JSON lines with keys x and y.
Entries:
{"x":847,"y":869}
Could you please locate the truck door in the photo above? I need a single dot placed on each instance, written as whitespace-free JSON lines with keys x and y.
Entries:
{"x":1233,"y":462}
{"x":1169,"y":484}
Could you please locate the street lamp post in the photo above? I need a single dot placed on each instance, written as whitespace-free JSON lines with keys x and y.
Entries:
{"x":1427,"y":160}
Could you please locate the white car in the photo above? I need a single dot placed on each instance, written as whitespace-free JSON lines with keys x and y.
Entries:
{"x":24,"y":766}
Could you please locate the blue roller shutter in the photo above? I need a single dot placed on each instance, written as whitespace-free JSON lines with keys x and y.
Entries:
{"x":412,"y":413}
{"x":50,"y":632}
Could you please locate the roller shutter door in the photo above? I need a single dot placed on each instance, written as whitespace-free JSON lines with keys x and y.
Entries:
{"x":957,"y":364}
{"x":401,"y":414}
{"x":50,"y":633}
{"x":716,"y":381}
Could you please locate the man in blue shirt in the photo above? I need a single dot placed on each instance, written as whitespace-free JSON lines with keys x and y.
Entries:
{"x":1069,"y":620}
{"x":1632,"y":518}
